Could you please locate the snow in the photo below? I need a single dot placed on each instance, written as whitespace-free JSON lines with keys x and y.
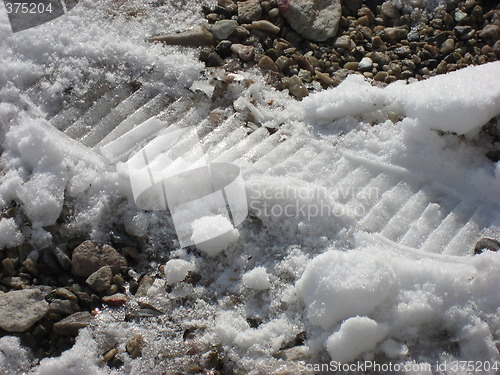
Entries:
{"x":461,"y":101}
{"x":177,"y":269}
{"x":374,"y":286}
{"x":213,"y":234}
{"x":257,"y":279}
{"x":9,"y":233}
{"x":354,"y":337}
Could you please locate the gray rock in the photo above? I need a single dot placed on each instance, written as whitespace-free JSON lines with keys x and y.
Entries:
{"x":249,"y":11}
{"x":100,"y":280}
{"x":366,"y":64}
{"x":223,"y":29}
{"x":316,"y":20}
{"x":496,"y":48}
{"x":88,"y":258}
{"x":343,"y":41}
{"x":305,"y":75}
{"x":266,"y":26}
{"x":195,"y":37}
{"x":486,"y":244}
{"x":72,"y":324}
{"x":297,"y":88}
{"x":389,"y":10}
{"x":20,"y":309}
{"x":64,"y":307}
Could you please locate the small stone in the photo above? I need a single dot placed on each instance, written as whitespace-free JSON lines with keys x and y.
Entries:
{"x":241,"y":32}
{"x":65,"y":294}
{"x":8,"y":267}
{"x":245,"y":53}
{"x":72,"y":324}
{"x":460,"y":16}
{"x":496,"y":48}
{"x":249,"y":10}
{"x":392,"y":34}
{"x":274,"y":13}
{"x":324,"y":78}
{"x":212,"y":17}
{"x":283,"y":63}
{"x":223,"y":49}
{"x":353,"y":65}
{"x":490,"y":32}
{"x":362,"y":21}
{"x":30,"y":266}
{"x":266,"y":26}
{"x":195,"y":37}
{"x":88,"y":258}
{"x":486,"y":244}
{"x":316,"y":20}
{"x":305,"y":75}
{"x":134,"y":346}
{"x":343,"y":42}
{"x":266,"y":63}
{"x":20,"y":309}
{"x":63,"y":307}
{"x":61,"y":258}
{"x":447,"y":47}
{"x":223,"y":29}
{"x":109,"y":355}
{"x":117,"y":299}
{"x":377,"y":41}
{"x":100,"y":280}
{"x":389,"y":10}
{"x":210,"y":58}
{"x":297,"y":88}
{"x":366,"y":64}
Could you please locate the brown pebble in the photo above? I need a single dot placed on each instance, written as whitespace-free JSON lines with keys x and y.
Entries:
{"x":117,"y":299}
{"x":297,"y":88}
{"x":351,"y":65}
{"x":110,"y":355}
{"x":266,"y":63}
{"x":380,"y":76}
{"x":134,"y":346}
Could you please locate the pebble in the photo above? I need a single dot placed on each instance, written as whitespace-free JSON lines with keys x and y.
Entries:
{"x":65,"y":294}
{"x":245,"y":53}
{"x":223,"y":29}
{"x":389,"y":10}
{"x":61,"y":258}
{"x":312,"y":19}
{"x":305,"y":75}
{"x":353,"y":65}
{"x":343,"y":42}
{"x":223,"y":49}
{"x":100,"y":280}
{"x":366,"y":64}
{"x":486,"y":244}
{"x":118,"y":299}
{"x":64,"y":307}
{"x":134,"y":346}
{"x":20,"y":309}
{"x":249,"y":10}
{"x":70,"y":325}
{"x":283,"y":63}
{"x":297,"y":88}
{"x":88,"y":258}
{"x":266,"y":26}
{"x":447,"y":47}
{"x":490,"y":32}
{"x":266,"y":63}
{"x":195,"y":37}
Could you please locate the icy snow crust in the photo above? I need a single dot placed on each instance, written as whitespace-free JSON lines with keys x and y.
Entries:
{"x":388,"y":274}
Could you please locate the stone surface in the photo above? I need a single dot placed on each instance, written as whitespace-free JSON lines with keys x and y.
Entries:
{"x":117,"y":299}
{"x":223,"y":29}
{"x":195,"y":37}
{"x":64,"y":307}
{"x":266,"y":26}
{"x":72,"y":324}
{"x":134,"y":346}
{"x":20,"y":309}
{"x":448,"y":46}
{"x":316,"y":20}
{"x":297,"y":88}
{"x":88,"y":258}
{"x":249,"y":11}
{"x":266,"y":63}
{"x":245,"y":53}
{"x":490,"y":32}
{"x":488,"y":244}
{"x":100,"y":280}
